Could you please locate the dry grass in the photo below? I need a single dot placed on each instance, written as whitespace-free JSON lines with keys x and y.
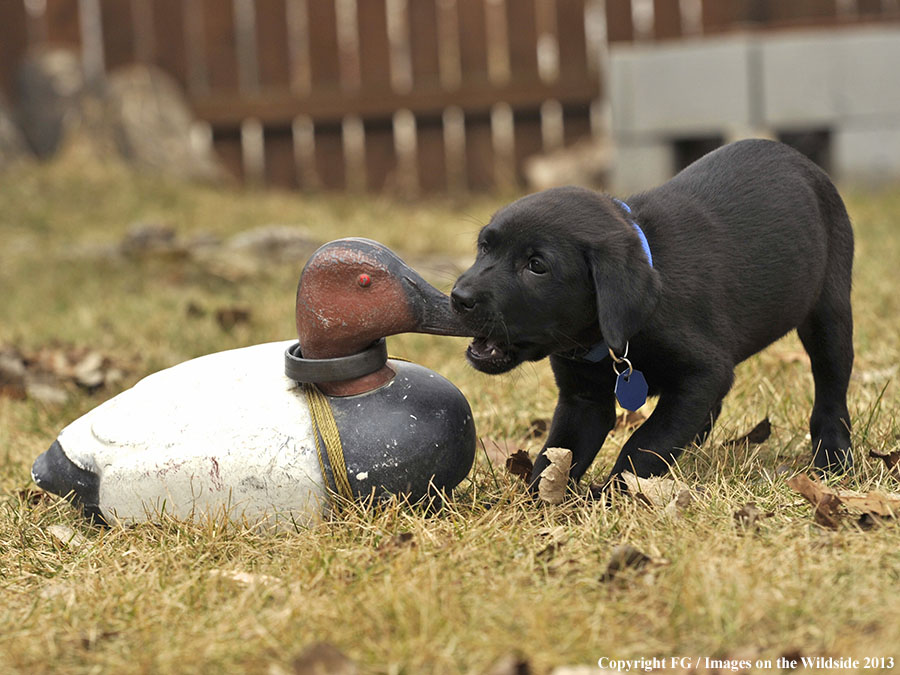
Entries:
{"x":473,"y":582}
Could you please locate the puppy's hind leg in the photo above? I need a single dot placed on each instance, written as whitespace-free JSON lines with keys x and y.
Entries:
{"x":710,"y":423}
{"x":827,"y":336}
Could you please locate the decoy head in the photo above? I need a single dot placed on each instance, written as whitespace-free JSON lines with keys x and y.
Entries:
{"x":354,"y":291}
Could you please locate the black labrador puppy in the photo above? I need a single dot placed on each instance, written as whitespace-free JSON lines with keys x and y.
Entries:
{"x":685,"y":281}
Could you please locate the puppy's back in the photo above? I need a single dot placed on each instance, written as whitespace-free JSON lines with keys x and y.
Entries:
{"x":745,"y":236}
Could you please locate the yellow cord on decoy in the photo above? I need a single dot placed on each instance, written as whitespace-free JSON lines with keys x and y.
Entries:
{"x":325,"y":425}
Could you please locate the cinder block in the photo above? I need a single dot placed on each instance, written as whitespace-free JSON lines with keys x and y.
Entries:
{"x":867,"y":153}
{"x":867,"y":69}
{"x":697,"y":87}
{"x":640,"y":165}
{"x":798,"y":79}
{"x":827,"y":76}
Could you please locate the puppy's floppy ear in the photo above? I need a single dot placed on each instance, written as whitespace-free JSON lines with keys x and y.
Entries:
{"x":626,"y":286}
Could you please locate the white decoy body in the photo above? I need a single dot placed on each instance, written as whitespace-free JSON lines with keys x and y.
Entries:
{"x":229,"y":435}
{"x":225,"y":434}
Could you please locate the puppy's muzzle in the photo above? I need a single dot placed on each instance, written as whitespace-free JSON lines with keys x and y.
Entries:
{"x":463,"y":300}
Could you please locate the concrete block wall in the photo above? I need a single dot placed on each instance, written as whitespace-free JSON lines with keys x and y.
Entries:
{"x":845,"y":82}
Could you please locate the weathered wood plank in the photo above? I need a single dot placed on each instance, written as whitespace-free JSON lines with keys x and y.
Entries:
{"x":279,"y":106}
{"x":62,"y":22}
{"x":619,"y":25}
{"x":273,"y":58}
{"x":666,"y":19}
{"x":570,"y":35}
{"x":118,"y":33}
{"x":13,"y":42}
{"x":220,"y":45}
{"x":169,"y":35}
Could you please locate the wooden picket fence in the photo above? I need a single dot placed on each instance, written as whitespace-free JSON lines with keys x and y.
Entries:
{"x":410,"y":95}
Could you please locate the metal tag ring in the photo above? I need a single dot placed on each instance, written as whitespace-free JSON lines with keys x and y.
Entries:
{"x":627,"y":363}
{"x":621,"y":359}
{"x":335,"y":369}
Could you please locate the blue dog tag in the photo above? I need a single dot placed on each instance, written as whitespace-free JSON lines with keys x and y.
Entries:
{"x":631,"y":389}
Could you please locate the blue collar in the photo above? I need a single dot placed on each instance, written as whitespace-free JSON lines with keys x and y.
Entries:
{"x":600,"y":351}
{"x":640,"y":233}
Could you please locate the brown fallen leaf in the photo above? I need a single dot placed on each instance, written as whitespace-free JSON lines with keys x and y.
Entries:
{"x":891,"y":459}
{"x":510,"y":664}
{"x":758,"y":434}
{"x":93,"y":636}
{"x":748,"y":516}
{"x":679,"y":503}
{"x":12,"y":374}
{"x":323,"y":658}
{"x":396,"y":542}
{"x":195,"y":310}
{"x":792,"y":654}
{"x":555,"y":478}
{"x":882,"y":504}
{"x":67,"y":536}
{"x":229,"y":317}
{"x":624,"y":556}
{"x":146,"y":239}
{"x":47,"y":371}
{"x":825,"y":502}
{"x":553,"y":540}
{"x":519,"y":464}
{"x":657,"y":491}
{"x":88,"y":371}
{"x":45,"y":388}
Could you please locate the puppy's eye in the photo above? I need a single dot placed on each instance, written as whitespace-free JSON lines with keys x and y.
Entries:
{"x":482,"y":248}
{"x":537,"y":266}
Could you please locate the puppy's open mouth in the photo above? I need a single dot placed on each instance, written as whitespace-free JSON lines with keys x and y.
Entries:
{"x":491,"y":356}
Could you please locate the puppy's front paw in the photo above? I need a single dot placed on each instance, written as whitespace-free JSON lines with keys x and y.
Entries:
{"x":833,"y":461}
{"x":613,"y":485}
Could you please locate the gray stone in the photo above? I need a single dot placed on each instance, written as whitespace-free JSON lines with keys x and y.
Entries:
{"x":50,"y":83}
{"x":12,"y":143}
{"x":276,"y":243}
{"x":139,"y":113}
{"x":151,"y":123}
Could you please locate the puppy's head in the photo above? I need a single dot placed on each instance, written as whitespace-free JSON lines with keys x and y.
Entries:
{"x":555,"y":270}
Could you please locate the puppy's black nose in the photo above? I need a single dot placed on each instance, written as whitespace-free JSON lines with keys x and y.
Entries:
{"x":462,"y":300}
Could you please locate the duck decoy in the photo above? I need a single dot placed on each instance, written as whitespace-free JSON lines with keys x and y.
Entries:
{"x":270,"y":433}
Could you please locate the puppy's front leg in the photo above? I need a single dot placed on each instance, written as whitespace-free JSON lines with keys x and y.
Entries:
{"x":585,"y":413}
{"x":679,"y":417}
